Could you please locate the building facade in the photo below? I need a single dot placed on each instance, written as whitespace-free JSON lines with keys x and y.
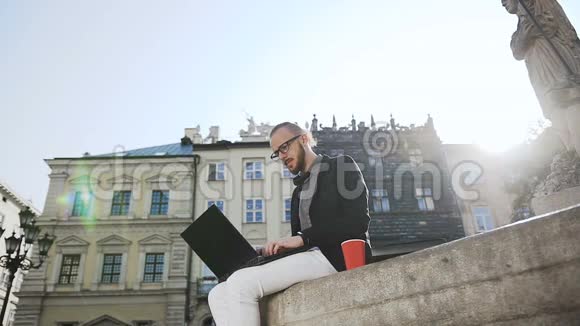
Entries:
{"x":412,"y":205}
{"x":118,"y":258}
{"x":251,"y":190}
{"x":483,"y":200}
{"x":11,"y":204}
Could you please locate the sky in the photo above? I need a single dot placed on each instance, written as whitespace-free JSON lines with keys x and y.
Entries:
{"x":89,"y":76}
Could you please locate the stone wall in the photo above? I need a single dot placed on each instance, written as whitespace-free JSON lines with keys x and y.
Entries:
{"x":555,"y":201}
{"x":526,"y":273}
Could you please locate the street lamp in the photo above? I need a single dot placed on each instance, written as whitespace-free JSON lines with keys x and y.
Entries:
{"x":17,"y":249}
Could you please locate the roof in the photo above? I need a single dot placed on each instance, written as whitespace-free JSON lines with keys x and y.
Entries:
{"x":173,"y":150}
{"x":179,"y":149}
{"x":176,"y":149}
{"x":224,"y":144}
{"x":405,"y":228}
{"x":17,"y":198}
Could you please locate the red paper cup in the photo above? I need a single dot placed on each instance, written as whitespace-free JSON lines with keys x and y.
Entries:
{"x":354,"y":253}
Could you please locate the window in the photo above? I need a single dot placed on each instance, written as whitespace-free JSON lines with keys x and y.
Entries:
{"x":153,"y":268}
{"x":5,"y":278}
{"x":81,"y":204}
{"x":67,"y":323}
{"x":159,"y":202}
{"x":17,"y":283}
{"x":254,"y":170}
{"x":380,"y":200}
{"x":287,"y":211}
{"x":483,"y":219}
{"x":286,"y":173}
{"x":415,"y":157}
{"x":425,"y":199}
{"x":11,"y":315}
{"x":121,"y":200}
{"x":142,"y":323}
{"x":254,"y":211}
{"x":217,"y":171}
{"x":69,"y":269}
{"x":111,"y":268}
{"x":218,"y":203}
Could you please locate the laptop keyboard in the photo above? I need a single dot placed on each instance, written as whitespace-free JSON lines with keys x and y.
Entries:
{"x":254,"y":261}
{"x":258,"y":260}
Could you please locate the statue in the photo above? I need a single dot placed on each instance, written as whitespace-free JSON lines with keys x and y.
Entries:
{"x":547,"y":42}
{"x":430,"y":123}
{"x":394,"y":126}
{"x":255,"y":132}
{"x":314,"y":126}
{"x":251,"y":126}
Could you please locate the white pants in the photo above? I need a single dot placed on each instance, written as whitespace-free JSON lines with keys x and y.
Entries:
{"x":235,"y":301}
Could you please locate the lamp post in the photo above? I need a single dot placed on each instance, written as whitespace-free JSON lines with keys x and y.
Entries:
{"x":17,"y":249}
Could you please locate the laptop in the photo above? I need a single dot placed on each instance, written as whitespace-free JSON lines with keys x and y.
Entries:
{"x":222,"y":247}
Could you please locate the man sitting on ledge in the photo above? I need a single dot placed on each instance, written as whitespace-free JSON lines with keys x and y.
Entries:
{"x":329,"y":205}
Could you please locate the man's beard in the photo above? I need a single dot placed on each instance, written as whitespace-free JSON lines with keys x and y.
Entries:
{"x":299,"y":161}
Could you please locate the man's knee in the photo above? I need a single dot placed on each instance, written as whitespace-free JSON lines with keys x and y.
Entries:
{"x":245,"y":283}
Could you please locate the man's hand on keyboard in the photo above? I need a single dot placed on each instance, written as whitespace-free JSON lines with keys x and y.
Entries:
{"x":274,"y":247}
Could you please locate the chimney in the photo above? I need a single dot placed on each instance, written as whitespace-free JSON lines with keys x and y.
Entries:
{"x":193,"y":135}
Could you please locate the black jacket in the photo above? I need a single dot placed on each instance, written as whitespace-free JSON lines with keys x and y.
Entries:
{"x":339,"y":209}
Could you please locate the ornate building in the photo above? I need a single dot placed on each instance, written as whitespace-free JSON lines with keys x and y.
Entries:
{"x":118,"y":258}
{"x":411,"y":201}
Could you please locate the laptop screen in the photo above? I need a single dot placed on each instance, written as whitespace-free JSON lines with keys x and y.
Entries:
{"x":218,"y":243}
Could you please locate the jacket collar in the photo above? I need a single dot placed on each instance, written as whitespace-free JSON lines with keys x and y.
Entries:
{"x":301,"y":178}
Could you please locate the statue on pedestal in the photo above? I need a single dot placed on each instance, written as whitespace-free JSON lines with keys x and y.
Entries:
{"x":251,"y":126}
{"x":255,"y":132}
{"x":547,"y":42}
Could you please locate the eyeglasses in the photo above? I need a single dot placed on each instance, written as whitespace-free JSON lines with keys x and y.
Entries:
{"x":283,"y":148}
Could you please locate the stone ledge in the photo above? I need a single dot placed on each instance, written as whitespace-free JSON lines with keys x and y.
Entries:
{"x":558,"y":200}
{"x":527,"y":273}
